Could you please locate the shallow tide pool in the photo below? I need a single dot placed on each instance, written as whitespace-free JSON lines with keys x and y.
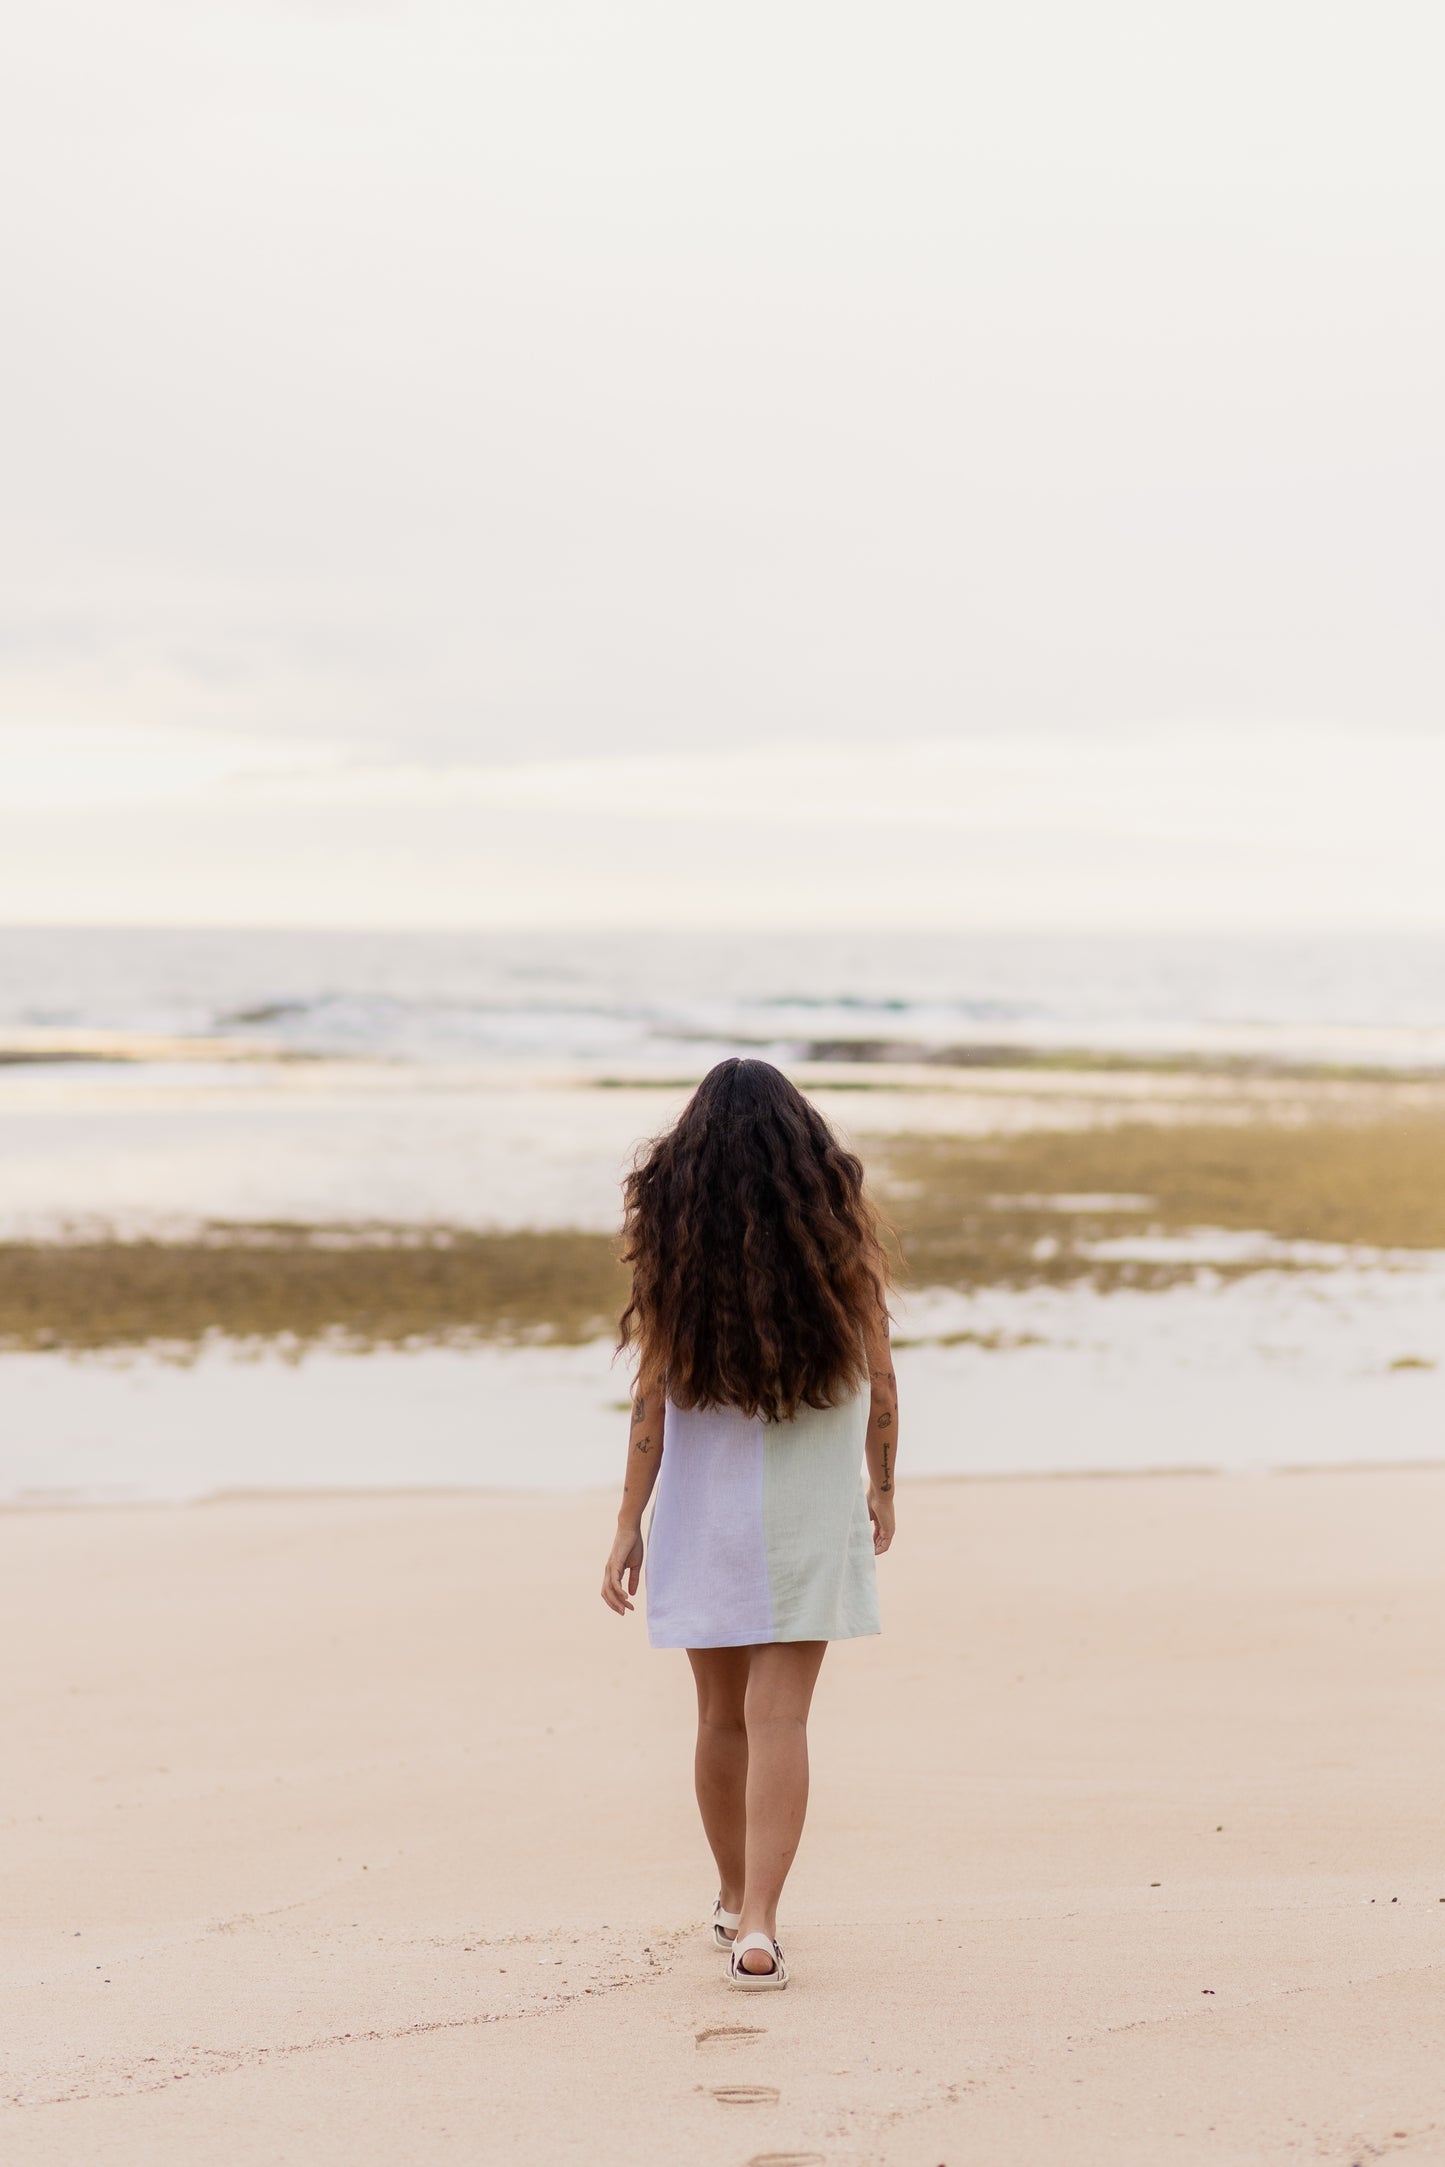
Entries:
{"x":1278,"y":1370}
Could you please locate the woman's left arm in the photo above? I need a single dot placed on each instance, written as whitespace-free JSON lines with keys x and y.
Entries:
{"x":621,"y":1573}
{"x":881,"y":1443}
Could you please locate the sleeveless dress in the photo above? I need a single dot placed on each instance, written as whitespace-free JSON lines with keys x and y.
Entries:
{"x":760,"y":1530}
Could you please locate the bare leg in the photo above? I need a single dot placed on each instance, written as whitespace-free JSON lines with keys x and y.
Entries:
{"x":780,"y":1682}
{"x":720,"y":1769}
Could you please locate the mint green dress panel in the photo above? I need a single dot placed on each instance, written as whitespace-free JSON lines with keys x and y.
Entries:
{"x":821,"y":1571}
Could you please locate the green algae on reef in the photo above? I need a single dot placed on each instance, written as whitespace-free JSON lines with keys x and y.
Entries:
{"x":1014,"y":1210}
{"x":365,"y":1288}
{"x":1002,"y":1210}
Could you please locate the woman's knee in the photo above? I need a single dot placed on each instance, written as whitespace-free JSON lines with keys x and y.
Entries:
{"x":777,"y":1742}
{"x":721,"y":1719}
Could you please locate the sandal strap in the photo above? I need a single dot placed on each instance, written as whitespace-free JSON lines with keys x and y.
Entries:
{"x":725,"y":1918}
{"x":757,"y":1941}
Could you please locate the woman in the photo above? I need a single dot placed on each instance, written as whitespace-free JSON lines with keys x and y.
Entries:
{"x":759,"y":1317}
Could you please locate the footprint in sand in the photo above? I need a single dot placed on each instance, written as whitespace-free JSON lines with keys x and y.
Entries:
{"x":720,"y":2034}
{"x":746,"y":2095}
{"x":786,"y":2159}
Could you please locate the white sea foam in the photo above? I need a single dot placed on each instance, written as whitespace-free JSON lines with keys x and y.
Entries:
{"x":655,"y":999}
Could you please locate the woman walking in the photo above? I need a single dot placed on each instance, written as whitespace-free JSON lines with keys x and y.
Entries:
{"x":759,"y":1317}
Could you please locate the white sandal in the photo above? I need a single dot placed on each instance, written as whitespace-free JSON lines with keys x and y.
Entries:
{"x":721,"y":1919}
{"x":753,"y":1981}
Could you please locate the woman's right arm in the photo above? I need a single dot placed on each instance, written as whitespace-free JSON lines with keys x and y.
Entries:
{"x":644,"y":1457}
{"x":882,"y":1440}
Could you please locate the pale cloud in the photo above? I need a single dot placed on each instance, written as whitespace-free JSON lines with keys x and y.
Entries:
{"x":539,"y":463}
{"x":1290,"y":786}
{"x":1268,"y":828}
{"x":537,"y":380}
{"x":61,"y":767}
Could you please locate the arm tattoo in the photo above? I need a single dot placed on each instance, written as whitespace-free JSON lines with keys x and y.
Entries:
{"x":643,"y":1444}
{"x":639,"y":1411}
{"x":886,"y":1484}
{"x":885,"y":1421}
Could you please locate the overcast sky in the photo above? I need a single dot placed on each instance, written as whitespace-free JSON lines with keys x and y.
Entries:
{"x":1027,"y":417}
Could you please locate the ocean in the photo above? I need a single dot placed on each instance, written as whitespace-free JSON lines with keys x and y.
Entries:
{"x":652,"y":1000}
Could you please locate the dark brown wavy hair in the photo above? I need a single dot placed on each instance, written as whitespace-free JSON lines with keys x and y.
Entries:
{"x":755,"y":1254}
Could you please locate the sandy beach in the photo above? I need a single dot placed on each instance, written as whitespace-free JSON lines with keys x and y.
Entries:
{"x":345,"y":1825}
{"x":353,"y":1829}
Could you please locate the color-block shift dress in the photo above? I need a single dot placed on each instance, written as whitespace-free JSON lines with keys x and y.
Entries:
{"x":760,"y":1530}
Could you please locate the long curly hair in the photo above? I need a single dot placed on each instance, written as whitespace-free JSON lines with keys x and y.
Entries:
{"x":755,"y":1252}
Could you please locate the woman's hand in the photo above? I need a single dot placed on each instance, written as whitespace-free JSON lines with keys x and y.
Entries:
{"x":880,"y":1512}
{"x":624,"y":1563}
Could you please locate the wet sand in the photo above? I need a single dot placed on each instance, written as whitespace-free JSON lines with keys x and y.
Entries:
{"x":355,"y":1831}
